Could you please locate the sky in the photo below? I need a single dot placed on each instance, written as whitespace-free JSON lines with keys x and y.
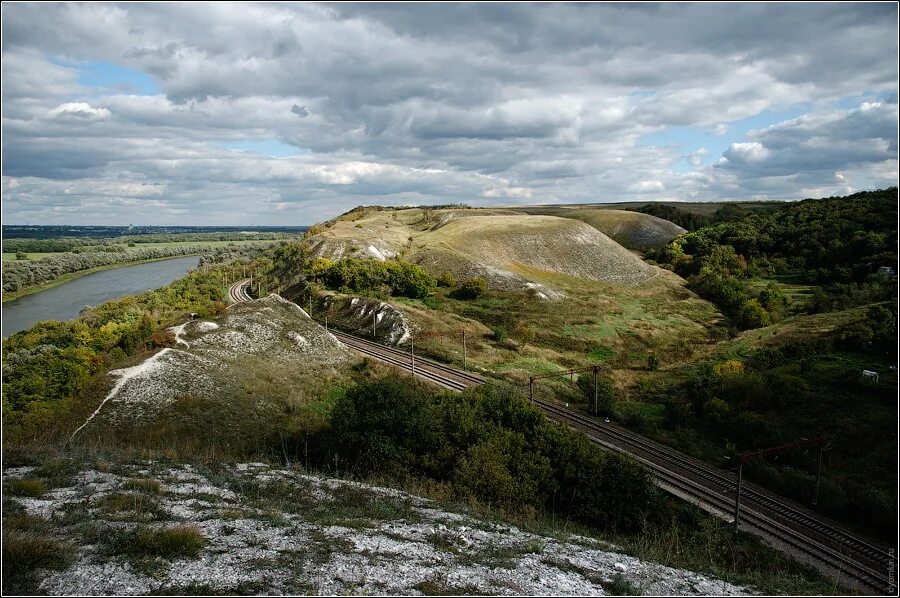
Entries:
{"x":289,"y":114}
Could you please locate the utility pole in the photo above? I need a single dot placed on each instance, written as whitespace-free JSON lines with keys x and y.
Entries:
{"x":531,"y":389}
{"x":373,"y":324}
{"x":310,"y":305}
{"x":326,"y":322}
{"x":818,"y":474}
{"x":821,"y":442}
{"x":737,"y":498}
{"x":412,"y":354}
{"x":464,"y":349}
{"x":596,"y":391}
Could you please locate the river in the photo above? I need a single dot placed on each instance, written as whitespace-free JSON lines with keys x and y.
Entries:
{"x":65,"y":301}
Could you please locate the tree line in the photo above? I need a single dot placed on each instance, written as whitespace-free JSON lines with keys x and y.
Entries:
{"x":838,"y":242}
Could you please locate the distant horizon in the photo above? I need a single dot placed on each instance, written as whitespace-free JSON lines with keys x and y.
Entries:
{"x":499,"y":206}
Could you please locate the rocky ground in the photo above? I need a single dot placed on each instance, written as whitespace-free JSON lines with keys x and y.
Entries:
{"x":251,"y":528}
{"x":213,"y":360}
{"x":360,"y":315}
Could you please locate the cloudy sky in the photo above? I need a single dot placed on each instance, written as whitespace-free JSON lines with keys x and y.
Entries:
{"x":289,"y":114}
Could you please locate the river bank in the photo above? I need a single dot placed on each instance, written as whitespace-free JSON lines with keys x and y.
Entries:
{"x":12,"y":296}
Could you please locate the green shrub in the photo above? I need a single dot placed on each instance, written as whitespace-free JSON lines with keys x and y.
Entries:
{"x":605,"y":391}
{"x":447,"y":279}
{"x":26,"y":487}
{"x":57,"y":472}
{"x":471,"y":289}
{"x":180,"y":541}
{"x":488,"y":444}
{"x":364,"y":276}
{"x":25,"y":552}
{"x":622,"y":587}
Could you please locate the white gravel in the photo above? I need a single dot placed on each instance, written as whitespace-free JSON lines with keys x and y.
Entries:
{"x":351,"y":551}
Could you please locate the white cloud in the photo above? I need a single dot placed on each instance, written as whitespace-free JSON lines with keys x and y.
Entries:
{"x":746,"y":153}
{"x":695,"y":158}
{"x":415,"y":104}
{"x":78,"y":111}
{"x":647,"y":187}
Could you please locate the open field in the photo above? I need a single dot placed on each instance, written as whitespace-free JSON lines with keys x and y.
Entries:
{"x":138,"y":246}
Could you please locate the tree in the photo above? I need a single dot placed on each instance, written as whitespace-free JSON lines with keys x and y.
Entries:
{"x":21,"y":255}
{"x":605,"y":391}
{"x":472,"y":289}
{"x":447,"y":279}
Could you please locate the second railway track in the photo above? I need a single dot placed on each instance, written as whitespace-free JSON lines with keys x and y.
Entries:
{"x":858,"y":562}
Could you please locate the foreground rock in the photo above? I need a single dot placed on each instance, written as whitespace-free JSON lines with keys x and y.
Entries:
{"x":264,"y":530}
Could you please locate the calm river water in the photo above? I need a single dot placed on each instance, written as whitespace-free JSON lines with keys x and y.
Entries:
{"x":65,"y":302}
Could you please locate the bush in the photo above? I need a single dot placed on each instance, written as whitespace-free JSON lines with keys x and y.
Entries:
{"x":21,"y":255}
{"x":447,"y":279}
{"x":180,"y":541}
{"x":605,"y":391}
{"x":26,"y":552}
{"x":26,"y":487}
{"x":366,"y":276}
{"x":472,"y":289}
{"x":488,"y":444}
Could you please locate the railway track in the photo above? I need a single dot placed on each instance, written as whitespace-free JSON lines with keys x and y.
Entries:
{"x":237,"y":293}
{"x":855,"y":561}
{"x":427,"y":369}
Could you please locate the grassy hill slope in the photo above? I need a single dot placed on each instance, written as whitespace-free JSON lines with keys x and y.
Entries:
{"x":510,"y":250}
{"x":633,"y":230}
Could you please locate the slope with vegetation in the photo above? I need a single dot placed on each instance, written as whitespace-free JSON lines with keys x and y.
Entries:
{"x":486,"y":448}
{"x":675,"y":368}
{"x":633,"y":230}
{"x":802,"y":278}
{"x":508,"y":249}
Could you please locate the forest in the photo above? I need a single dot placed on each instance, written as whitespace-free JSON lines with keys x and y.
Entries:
{"x":838,"y":243}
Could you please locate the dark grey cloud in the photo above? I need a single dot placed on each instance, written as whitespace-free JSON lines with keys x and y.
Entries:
{"x":391,"y":103}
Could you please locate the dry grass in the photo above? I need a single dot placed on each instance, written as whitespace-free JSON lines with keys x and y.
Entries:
{"x":26,"y":552}
{"x":25,"y":487}
{"x":145,"y":486}
{"x":633,"y":230}
{"x":180,"y":541}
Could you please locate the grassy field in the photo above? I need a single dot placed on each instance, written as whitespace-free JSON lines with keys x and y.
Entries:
{"x":8,"y":257}
{"x":36,"y":256}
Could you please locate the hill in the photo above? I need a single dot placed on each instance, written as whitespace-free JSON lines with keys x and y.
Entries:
{"x":511,"y":250}
{"x":227,"y":381}
{"x":633,"y":230}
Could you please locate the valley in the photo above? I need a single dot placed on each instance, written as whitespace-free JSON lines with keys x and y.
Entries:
{"x":234,"y":364}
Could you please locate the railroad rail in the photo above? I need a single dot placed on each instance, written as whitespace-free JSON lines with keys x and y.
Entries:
{"x":853,"y":560}
{"x":237,"y":293}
